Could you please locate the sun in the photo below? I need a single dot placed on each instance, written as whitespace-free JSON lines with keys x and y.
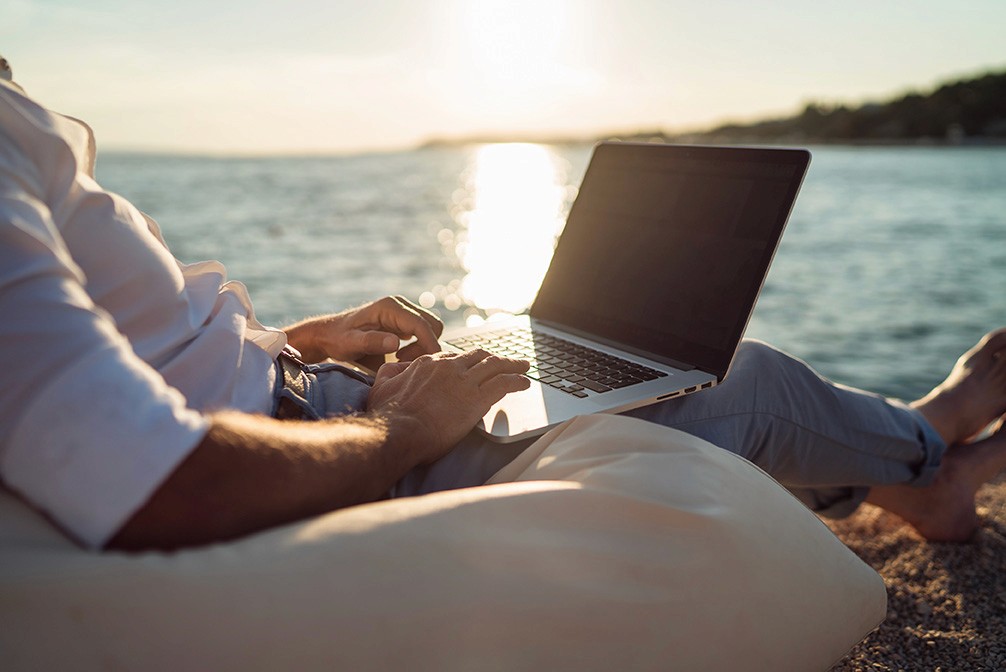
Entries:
{"x":514,"y":46}
{"x":510,"y":40}
{"x":518,"y":67}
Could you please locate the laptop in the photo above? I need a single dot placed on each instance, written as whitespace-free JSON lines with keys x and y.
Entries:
{"x":651,"y":285}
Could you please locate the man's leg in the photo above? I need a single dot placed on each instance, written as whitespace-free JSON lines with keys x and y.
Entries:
{"x":472,"y":462}
{"x":773,"y":410}
{"x":832,"y":445}
{"x":823,"y":441}
{"x":827,"y":443}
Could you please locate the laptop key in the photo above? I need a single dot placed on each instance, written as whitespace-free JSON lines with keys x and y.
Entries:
{"x":596,"y":387}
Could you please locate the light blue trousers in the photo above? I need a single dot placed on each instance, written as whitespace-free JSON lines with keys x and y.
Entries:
{"x":826,"y":443}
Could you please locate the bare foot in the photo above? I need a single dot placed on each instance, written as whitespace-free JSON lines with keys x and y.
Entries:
{"x":973,"y":395}
{"x":945,"y":509}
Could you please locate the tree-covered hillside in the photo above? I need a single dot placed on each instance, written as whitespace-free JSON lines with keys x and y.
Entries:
{"x":972,"y":110}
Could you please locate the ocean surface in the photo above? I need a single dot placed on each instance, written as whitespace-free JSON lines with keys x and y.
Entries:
{"x":893,"y":262}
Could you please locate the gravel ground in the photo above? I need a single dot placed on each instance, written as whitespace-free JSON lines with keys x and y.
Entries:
{"x":946,"y":602}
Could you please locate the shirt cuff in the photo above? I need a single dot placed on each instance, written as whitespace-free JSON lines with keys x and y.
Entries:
{"x":97,"y":441}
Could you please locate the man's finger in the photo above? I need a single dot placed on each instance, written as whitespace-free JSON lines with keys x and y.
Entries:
{"x":388,"y":371}
{"x":408,"y":321}
{"x":436,"y":324}
{"x":410,"y":352}
{"x":498,"y":387}
{"x":493,"y":365}
{"x":472,"y":357}
{"x":372,"y":342}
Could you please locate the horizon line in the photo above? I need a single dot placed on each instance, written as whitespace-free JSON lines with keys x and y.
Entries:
{"x":546,"y":138}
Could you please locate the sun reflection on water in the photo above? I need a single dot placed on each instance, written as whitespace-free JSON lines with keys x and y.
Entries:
{"x":515,"y":206}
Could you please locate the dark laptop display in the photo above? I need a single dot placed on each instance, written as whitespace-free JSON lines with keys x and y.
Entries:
{"x":664,"y":253}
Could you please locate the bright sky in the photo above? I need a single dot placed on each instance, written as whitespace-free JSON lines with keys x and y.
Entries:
{"x":332,"y":75}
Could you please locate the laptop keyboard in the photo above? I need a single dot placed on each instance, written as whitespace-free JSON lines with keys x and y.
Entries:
{"x":564,"y":365}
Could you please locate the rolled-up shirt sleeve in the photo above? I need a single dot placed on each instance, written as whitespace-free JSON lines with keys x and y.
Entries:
{"x":88,"y":430}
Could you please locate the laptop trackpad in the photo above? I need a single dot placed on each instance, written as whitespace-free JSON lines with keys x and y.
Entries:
{"x":530,"y":412}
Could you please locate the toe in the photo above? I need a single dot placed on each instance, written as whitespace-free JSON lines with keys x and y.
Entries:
{"x":993,"y":342}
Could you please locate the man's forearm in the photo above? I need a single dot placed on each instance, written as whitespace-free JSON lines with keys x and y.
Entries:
{"x":250,"y":473}
{"x":253,"y":472}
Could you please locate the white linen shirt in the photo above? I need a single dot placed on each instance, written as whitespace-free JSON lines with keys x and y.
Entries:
{"x":111,"y":350}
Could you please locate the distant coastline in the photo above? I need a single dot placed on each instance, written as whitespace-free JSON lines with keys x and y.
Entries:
{"x":962,"y":112}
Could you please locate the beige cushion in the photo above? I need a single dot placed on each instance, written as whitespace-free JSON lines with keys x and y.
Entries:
{"x":643,"y":548}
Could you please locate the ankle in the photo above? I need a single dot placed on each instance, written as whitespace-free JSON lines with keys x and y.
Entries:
{"x":940,"y":416}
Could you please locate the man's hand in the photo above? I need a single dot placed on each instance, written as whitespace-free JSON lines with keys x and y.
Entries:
{"x":435,"y":400}
{"x":368,"y":333}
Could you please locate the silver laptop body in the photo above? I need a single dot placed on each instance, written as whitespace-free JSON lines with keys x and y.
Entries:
{"x":657,"y":270}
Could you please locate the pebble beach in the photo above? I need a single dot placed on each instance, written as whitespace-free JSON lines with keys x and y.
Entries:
{"x":946,"y":606}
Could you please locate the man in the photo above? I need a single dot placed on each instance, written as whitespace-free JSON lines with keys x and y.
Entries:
{"x":138,"y":390}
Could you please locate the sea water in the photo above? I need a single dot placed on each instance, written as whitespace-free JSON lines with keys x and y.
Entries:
{"x":893,"y":262}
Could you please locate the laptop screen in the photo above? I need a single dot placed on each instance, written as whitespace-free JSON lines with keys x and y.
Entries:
{"x":666,"y":248}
